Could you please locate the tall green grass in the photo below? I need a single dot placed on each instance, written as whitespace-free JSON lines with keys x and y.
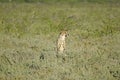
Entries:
{"x":29,"y":31}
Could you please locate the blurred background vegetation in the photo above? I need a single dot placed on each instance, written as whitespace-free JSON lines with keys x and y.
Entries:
{"x":29,"y":30}
{"x":69,"y":1}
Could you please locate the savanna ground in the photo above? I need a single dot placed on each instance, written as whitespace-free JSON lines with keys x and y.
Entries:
{"x":28,"y":34}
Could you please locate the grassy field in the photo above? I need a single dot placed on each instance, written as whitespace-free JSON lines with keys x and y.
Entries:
{"x":28,"y":34}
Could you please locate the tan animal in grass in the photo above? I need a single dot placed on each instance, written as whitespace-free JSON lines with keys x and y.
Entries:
{"x":61,"y":41}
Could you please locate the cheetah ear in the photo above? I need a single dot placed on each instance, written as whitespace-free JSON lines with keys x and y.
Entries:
{"x":61,"y":32}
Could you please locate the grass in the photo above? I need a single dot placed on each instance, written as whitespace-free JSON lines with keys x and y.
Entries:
{"x":28,"y":33}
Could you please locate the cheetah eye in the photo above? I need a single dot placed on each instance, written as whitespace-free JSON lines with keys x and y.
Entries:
{"x":65,"y":35}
